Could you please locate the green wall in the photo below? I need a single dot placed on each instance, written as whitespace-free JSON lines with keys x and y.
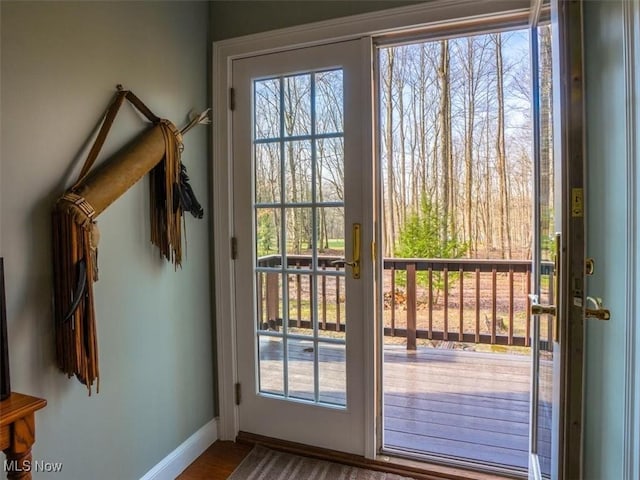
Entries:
{"x":236,"y":18}
{"x":60,"y":64}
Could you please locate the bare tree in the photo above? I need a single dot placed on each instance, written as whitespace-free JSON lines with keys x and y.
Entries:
{"x":546,"y":163}
{"x":505,"y":226}
{"x":389,"y":217}
{"x":445,"y":137}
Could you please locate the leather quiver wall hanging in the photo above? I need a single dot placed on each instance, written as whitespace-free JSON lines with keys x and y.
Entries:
{"x":75,"y":235}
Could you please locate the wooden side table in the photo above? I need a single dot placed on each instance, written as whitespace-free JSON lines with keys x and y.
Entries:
{"x":18,"y":432}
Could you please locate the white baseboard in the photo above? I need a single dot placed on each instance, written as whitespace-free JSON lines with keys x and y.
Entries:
{"x":173,"y":464}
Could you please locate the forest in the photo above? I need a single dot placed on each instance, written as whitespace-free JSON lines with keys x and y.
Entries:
{"x":457,"y":145}
{"x":456,"y":142}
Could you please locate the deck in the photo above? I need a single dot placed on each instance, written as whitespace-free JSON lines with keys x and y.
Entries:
{"x":437,"y":402}
{"x":463,"y":404}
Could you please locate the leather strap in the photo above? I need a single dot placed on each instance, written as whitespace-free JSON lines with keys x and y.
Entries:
{"x":141,"y":107}
{"x":109,"y":117}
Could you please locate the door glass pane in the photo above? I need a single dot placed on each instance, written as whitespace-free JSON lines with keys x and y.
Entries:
{"x":297,"y":105}
{"x":299,"y":236}
{"x":299,"y":233}
{"x":270,"y":301}
{"x":329,"y":111}
{"x":271,"y":372}
{"x":268,"y":238}
{"x":331,"y":309}
{"x":267,"y":108}
{"x":333,"y":375}
{"x":456,"y":174}
{"x":330,"y":234}
{"x":300,"y":306}
{"x":297,"y":167}
{"x":330,"y":169}
{"x":300,"y":373}
{"x":547,"y":253}
{"x":267,"y":157}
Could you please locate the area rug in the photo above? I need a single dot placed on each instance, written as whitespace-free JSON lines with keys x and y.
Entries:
{"x":266,"y":464}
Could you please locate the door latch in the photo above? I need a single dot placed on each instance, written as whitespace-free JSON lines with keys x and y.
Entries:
{"x":589,"y":266}
{"x":599,"y":311}
{"x":355,"y":263}
{"x":537,"y":308}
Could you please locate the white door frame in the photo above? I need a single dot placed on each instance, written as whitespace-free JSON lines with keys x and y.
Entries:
{"x":631,"y":17}
{"x":436,"y":12}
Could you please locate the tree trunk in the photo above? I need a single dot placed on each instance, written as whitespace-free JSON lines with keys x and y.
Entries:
{"x":505,"y":229}
{"x":546,"y":164}
{"x":488,"y":203}
{"x":445,"y":137}
{"x":390,"y":221}
{"x":468,"y":151}
{"x":399,"y":85}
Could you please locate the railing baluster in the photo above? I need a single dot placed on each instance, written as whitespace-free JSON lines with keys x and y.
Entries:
{"x":477,"y":305}
{"x":527,"y":335}
{"x":337,"y":302}
{"x":313,"y":298}
{"x":550,"y":319}
{"x":461,"y":302}
{"x":393,"y":301}
{"x":430,"y":300}
{"x":260,"y":311}
{"x":493,"y":305}
{"x":510,"y":305}
{"x":411,"y":306}
{"x":272,"y":298}
{"x":445,"y":275}
{"x":324,"y":300}
{"x":299,"y":297}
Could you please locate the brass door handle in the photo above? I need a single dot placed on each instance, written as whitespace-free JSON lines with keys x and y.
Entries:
{"x":355,"y":263}
{"x":551,"y":310}
{"x":342,"y":261}
{"x":538,"y":309}
{"x":599,"y":311}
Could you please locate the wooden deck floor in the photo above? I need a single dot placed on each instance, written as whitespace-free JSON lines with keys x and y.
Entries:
{"x":448,"y":403}
{"x":464,"y":404}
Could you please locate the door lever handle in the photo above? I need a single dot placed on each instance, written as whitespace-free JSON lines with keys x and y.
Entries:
{"x":355,"y":263}
{"x":343,"y":261}
{"x":551,"y":310}
{"x":599,"y":311}
{"x":543,"y":310}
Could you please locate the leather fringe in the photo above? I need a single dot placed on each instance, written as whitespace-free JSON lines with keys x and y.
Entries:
{"x":166,"y":232}
{"x":76,"y":337}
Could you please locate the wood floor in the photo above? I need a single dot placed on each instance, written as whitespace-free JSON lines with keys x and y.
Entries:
{"x":217,"y":462}
{"x":463,"y":404}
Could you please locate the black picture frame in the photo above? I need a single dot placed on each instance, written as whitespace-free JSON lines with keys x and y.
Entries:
{"x":5,"y":381}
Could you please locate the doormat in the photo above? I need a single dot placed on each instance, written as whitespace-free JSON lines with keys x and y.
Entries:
{"x":265,"y":464}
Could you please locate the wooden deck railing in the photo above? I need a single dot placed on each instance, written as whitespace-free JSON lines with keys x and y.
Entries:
{"x":459,"y":300}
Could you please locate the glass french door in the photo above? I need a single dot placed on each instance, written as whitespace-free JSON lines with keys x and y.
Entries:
{"x":303,"y":228}
{"x":544,"y":273}
{"x":299,"y":165}
{"x":558,"y":258}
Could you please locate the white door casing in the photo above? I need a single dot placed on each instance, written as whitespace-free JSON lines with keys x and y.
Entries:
{"x":223,"y":53}
{"x":364,"y":26}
